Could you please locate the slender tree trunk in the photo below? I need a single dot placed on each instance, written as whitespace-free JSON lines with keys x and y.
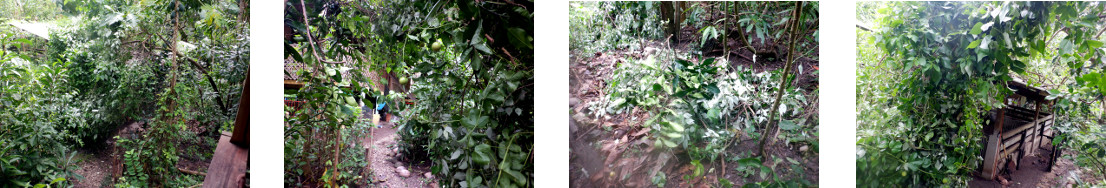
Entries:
{"x":725,"y":29}
{"x":764,"y":136}
{"x":670,"y":11}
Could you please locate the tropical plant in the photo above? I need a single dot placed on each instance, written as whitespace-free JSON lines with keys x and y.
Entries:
{"x":950,"y":62}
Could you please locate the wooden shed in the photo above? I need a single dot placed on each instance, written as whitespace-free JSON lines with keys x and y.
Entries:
{"x":1023,"y":127}
{"x":293,"y":82}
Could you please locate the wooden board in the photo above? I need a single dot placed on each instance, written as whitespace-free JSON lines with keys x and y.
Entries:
{"x":242,"y":119}
{"x":228,"y":165}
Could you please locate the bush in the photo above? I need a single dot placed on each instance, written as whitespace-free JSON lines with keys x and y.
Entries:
{"x":33,"y":138}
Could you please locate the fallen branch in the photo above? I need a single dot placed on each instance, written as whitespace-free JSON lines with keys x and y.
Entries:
{"x":863,"y":28}
{"x":186,"y":171}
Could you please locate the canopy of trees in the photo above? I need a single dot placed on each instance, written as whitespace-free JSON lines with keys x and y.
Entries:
{"x":470,"y":66}
{"x":929,"y":71}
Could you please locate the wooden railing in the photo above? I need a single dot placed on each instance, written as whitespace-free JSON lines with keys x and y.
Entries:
{"x":1011,"y":141}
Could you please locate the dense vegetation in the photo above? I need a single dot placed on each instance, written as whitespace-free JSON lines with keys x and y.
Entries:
{"x":175,"y":65}
{"x":470,"y":66}
{"x":686,"y":89}
{"x":928,"y":71}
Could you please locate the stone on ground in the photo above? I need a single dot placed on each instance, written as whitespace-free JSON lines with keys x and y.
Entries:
{"x":403,"y":171}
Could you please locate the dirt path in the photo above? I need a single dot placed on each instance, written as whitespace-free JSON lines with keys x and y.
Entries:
{"x":1033,"y":174}
{"x":98,"y":164}
{"x":101,"y":162}
{"x":96,"y":167}
{"x":383,"y":162}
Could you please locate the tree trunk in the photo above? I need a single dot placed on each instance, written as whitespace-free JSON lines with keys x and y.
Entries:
{"x":764,"y":136}
{"x":670,"y":11}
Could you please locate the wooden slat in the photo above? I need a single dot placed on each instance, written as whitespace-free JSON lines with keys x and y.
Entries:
{"x":1016,"y":131}
{"x":242,"y":120}
{"x":293,"y":84}
{"x":990,"y":164}
{"x":1023,"y":127}
{"x":228,"y":165}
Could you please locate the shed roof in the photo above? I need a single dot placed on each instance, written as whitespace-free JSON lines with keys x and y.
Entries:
{"x":36,"y":28}
{"x":1030,"y":92}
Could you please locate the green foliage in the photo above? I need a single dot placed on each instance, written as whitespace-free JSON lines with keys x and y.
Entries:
{"x":702,"y":109}
{"x":693,"y":16}
{"x":473,"y":118}
{"x":753,"y":166}
{"x":637,"y":83}
{"x":697,"y":105}
{"x":29,"y":10}
{"x":601,"y":26}
{"x":660,"y":179}
{"x":108,"y":63}
{"x":930,"y":70}
{"x":33,"y":149}
{"x":709,"y":33}
{"x":1079,"y":112}
{"x":481,"y":48}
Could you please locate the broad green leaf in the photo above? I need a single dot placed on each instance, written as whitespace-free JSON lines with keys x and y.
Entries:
{"x":974,"y":44}
{"x":472,"y":121}
{"x":789,"y":125}
{"x":676,"y":126}
{"x":482,"y":154}
{"x":976,"y":30}
{"x":669,"y":143}
{"x":1094,"y":43}
{"x":673,"y":135}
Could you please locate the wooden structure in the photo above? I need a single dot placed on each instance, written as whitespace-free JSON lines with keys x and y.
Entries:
{"x":293,"y":81}
{"x":232,"y":154}
{"x":1019,"y":129}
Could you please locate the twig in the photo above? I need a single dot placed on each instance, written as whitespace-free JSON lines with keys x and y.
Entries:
{"x":310,"y":37}
{"x":186,"y":171}
{"x":863,"y":28}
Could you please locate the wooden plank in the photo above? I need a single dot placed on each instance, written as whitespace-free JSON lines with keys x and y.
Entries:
{"x":228,"y":165}
{"x":990,"y":157}
{"x":293,"y":84}
{"x":1023,"y":127}
{"x":1017,"y":130}
{"x":242,"y":120}
{"x":1010,"y":143}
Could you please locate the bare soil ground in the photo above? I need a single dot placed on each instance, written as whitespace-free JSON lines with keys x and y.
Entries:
{"x":616,"y":152}
{"x":383,"y":162}
{"x":1034,"y":173}
{"x":102,"y":163}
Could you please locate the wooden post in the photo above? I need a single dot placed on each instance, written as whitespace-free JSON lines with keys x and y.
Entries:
{"x":241,"y":135}
{"x":1021,"y":146}
{"x":994,"y":144}
{"x":1036,"y":126}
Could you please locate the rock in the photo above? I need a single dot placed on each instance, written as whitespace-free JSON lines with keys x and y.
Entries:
{"x":395,"y":150}
{"x":804,"y":148}
{"x":428,"y":175}
{"x":434,"y":184}
{"x":399,"y":163}
{"x":572,"y":102}
{"x":582,"y":120}
{"x":403,"y":172}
